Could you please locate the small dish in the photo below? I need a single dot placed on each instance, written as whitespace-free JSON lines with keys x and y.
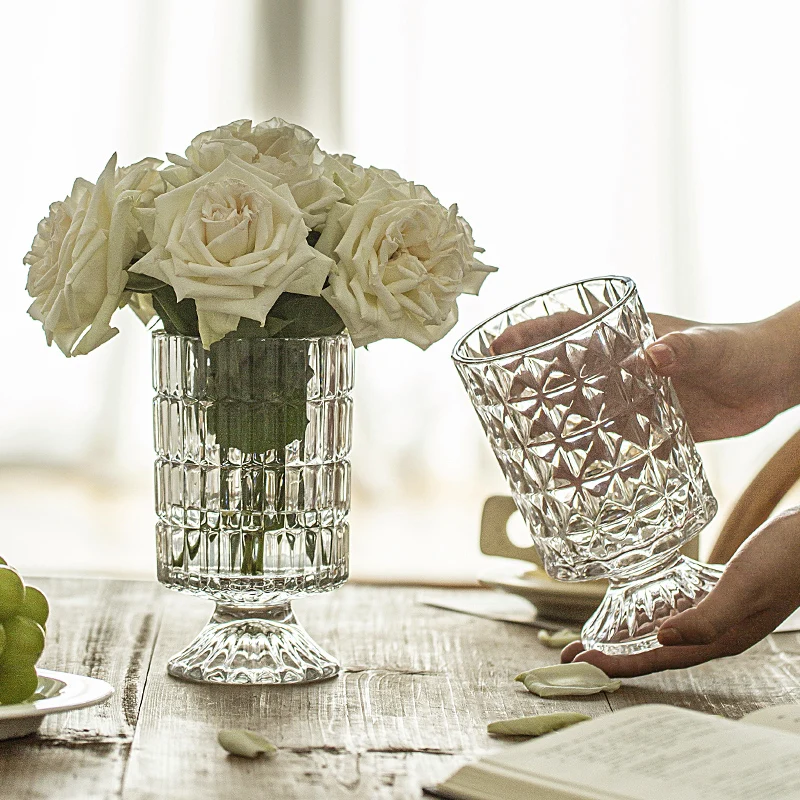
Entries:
{"x":57,"y":692}
{"x":561,"y":600}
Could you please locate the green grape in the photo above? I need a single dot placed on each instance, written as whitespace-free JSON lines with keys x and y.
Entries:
{"x":12,"y":592}
{"x":17,"y":684}
{"x":34,"y":606}
{"x":24,"y":643}
{"x":2,"y":638}
{"x":3,"y":561}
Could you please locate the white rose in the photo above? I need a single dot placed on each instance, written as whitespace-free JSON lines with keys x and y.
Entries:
{"x":79,"y":255}
{"x":353,"y":179}
{"x":286,"y":152}
{"x":150,"y":184}
{"x":233,"y":243}
{"x":402,"y":260}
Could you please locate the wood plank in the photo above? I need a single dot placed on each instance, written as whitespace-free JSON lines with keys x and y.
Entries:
{"x":418,"y":689}
{"x":104,"y":629}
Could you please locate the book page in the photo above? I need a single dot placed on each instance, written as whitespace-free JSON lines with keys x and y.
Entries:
{"x":660,"y":751}
{"x":784,"y":717}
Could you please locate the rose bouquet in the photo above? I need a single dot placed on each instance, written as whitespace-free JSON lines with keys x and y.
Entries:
{"x":254,"y":228}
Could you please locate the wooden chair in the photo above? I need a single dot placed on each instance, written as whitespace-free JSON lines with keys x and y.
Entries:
{"x":759,"y":499}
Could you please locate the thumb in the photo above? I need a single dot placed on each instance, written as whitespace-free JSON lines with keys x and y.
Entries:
{"x":685,"y":352}
{"x":711,"y":618}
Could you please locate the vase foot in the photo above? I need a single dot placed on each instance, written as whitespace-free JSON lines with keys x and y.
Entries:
{"x":256,"y":645}
{"x":632,"y":611}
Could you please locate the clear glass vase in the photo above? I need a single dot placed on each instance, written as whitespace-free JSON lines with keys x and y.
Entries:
{"x":252,"y":490}
{"x":598,"y":455}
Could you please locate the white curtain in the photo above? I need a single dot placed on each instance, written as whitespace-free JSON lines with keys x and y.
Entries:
{"x":655,"y":139}
{"x":82,"y":80}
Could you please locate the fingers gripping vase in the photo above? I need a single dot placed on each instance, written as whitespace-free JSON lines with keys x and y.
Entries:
{"x":252,"y":487}
{"x":598,"y":455}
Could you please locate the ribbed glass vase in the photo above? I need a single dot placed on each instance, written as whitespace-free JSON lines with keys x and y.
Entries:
{"x":252,"y":490}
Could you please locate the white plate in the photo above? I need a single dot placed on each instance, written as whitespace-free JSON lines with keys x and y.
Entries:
{"x":57,"y":692}
{"x":560,"y":600}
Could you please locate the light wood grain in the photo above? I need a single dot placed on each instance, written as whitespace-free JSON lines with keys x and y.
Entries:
{"x":729,"y":687}
{"x":418,"y":687}
{"x":104,"y":629}
{"x":416,"y":680}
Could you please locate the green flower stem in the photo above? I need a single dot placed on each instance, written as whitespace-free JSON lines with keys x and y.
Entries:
{"x":253,"y":553}
{"x":259,"y":391}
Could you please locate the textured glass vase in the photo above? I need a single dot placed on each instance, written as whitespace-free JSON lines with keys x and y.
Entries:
{"x":252,"y":488}
{"x":597,"y":453}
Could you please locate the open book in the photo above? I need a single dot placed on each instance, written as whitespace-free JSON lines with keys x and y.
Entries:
{"x":647,"y":752}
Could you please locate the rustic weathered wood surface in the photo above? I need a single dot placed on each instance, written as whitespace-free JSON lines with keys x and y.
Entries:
{"x":418,"y":688}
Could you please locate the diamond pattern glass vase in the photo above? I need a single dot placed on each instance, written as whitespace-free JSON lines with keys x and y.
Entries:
{"x":599,"y":458}
{"x":252,"y":485}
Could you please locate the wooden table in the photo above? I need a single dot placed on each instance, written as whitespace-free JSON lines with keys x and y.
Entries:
{"x":418,"y":687}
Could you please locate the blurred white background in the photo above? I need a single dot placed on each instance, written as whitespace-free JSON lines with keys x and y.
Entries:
{"x":651,"y":138}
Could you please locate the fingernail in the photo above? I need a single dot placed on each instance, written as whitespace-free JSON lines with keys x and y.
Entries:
{"x":670,"y":636}
{"x":662,"y":355}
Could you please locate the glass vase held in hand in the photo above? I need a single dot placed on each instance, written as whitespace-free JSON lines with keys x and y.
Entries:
{"x":597,"y":453}
{"x":252,"y":483}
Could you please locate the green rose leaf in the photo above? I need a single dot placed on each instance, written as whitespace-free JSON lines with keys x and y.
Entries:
{"x":305,"y":316}
{"x":178,"y":317}
{"x":143,"y":284}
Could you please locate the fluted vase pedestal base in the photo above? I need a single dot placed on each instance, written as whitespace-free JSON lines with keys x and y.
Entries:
{"x":639,"y":601}
{"x":253,"y":644}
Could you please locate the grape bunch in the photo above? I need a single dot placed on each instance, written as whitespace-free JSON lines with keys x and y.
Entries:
{"x":23,"y":615}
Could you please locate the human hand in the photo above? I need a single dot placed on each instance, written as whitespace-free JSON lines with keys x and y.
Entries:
{"x":730,"y":379}
{"x":536,"y":331}
{"x":759,"y":588}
